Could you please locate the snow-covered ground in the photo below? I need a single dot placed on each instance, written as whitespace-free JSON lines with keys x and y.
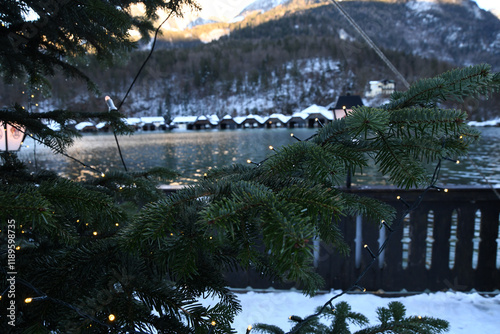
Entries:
{"x":467,"y":313}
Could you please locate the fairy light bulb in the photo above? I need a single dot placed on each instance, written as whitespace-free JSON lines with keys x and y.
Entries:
{"x":28,"y":300}
{"x":109,"y":102}
{"x":213,"y":323}
{"x":249,"y":161}
{"x":457,"y":162}
{"x":271,"y":147}
{"x":111,"y":317}
{"x":18,"y":247}
{"x":103,"y":175}
{"x":94,"y":233}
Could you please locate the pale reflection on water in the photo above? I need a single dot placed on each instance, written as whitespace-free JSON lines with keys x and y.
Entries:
{"x":192,"y":153}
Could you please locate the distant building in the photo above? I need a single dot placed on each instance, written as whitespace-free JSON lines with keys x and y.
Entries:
{"x":253,"y":121}
{"x":277,"y":121}
{"x":382,"y":87}
{"x":227,"y":122}
{"x":345,"y":104}
{"x":153,"y":123}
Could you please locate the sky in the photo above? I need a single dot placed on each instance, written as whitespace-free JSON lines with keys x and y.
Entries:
{"x":488,"y":4}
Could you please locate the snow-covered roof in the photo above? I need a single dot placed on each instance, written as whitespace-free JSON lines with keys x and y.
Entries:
{"x":82,"y":125}
{"x":300,"y":114}
{"x":239,"y":119}
{"x":281,"y":117}
{"x":315,"y":109}
{"x":213,"y":119}
{"x":184,"y":119}
{"x":101,"y":125}
{"x":132,"y":120}
{"x":153,"y":119}
{"x":258,"y":118}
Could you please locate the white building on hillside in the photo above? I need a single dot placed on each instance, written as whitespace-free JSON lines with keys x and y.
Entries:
{"x":381,"y":87}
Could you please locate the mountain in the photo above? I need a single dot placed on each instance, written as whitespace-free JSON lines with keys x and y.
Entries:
{"x":456,"y":31}
{"x":271,"y":56}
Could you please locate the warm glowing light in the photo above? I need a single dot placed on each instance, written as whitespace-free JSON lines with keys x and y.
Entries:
{"x":78,"y":220}
{"x":94,"y":233}
{"x":419,"y":317}
{"x":28,"y":300}
{"x":457,"y":162}
{"x":18,"y":247}
{"x":117,"y":224}
{"x":249,"y":161}
{"x":32,"y":96}
{"x":111,"y":317}
{"x":103,"y":175}
{"x":249,"y":327}
{"x":291,"y":134}
{"x":399,"y":197}
{"x":213,"y":323}
{"x":446,"y":190}
{"x":270,"y":147}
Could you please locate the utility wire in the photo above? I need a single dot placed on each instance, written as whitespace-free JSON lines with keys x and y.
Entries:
{"x":134,"y":81}
{"x":370,"y":43}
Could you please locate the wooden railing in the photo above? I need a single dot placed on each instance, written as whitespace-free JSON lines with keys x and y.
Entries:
{"x":451,"y":241}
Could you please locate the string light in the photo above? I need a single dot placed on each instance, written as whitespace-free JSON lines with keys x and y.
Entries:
{"x":28,"y":300}
{"x":360,"y":288}
{"x":369,"y":251}
{"x":94,"y":233}
{"x":386,"y":225}
{"x":295,"y":318}
{"x":117,"y":224}
{"x":111,"y":317}
{"x":18,"y":247}
{"x":271,"y":148}
{"x":213,"y":323}
{"x":292,"y":135}
{"x":403,"y":201}
{"x":249,"y":328}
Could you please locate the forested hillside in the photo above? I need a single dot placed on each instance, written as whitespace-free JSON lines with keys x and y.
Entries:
{"x":285,"y":59}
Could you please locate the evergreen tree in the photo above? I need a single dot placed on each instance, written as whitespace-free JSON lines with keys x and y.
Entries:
{"x":115,"y":255}
{"x":392,"y":320}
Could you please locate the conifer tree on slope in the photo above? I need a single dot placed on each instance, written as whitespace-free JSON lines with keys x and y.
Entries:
{"x":147,"y":265}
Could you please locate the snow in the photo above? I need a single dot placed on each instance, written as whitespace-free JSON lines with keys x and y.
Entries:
{"x":493,"y":122}
{"x":421,"y":5}
{"x":467,"y":313}
{"x":82,"y":125}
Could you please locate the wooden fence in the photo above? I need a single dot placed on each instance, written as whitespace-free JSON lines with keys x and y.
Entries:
{"x":451,"y":241}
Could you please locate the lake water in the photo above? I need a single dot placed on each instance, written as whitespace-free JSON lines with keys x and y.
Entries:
{"x":191,"y":153}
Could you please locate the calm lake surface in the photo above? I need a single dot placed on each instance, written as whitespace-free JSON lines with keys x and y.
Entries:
{"x":192,"y":153}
